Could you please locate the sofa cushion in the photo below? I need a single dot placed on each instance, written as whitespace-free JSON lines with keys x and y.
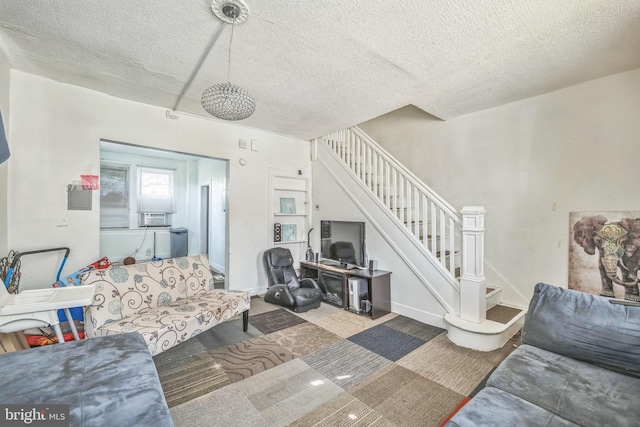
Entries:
{"x":584,"y":327}
{"x":168,"y":325}
{"x":492,"y":407}
{"x":577,"y":391}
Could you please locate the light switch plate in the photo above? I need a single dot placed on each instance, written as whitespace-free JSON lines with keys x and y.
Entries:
{"x":243,"y":144}
{"x":254,"y":145}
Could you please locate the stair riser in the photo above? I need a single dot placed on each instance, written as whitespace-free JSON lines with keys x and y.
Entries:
{"x":483,"y":341}
{"x":494,"y":298}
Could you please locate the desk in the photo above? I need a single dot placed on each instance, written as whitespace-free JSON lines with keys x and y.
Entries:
{"x":378,"y":284}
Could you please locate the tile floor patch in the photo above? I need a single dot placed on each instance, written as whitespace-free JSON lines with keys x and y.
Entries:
{"x":345,"y":363}
{"x":248,"y":358}
{"x":387,"y":342}
{"x":414,"y":328}
{"x":275,"y":320}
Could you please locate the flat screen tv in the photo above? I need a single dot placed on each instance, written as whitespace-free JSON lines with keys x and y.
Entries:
{"x":343,"y":241}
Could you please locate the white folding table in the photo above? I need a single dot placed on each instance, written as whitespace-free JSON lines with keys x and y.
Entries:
{"x":33,"y":308}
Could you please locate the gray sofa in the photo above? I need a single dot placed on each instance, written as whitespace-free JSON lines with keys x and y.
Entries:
{"x":579,"y":364}
{"x":106,"y":381}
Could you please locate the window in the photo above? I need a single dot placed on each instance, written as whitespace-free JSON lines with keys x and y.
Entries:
{"x":114,"y":196}
{"x":155,"y":194}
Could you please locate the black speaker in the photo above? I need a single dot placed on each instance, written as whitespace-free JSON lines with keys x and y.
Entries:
{"x":325,"y":229}
{"x":277,"y":232}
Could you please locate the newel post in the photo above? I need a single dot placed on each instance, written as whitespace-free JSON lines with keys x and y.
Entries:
{"x":473,"y":284}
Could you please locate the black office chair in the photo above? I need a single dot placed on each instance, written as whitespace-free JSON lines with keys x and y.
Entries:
{"x":284,"y":287}
{"x":343,"y":252}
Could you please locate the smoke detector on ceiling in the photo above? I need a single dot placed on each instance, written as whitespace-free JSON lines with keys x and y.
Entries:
{"x":230,"y":11}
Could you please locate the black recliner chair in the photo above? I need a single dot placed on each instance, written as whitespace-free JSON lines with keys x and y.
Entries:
{"x":343,"y":252}
{"x":284,"y":287}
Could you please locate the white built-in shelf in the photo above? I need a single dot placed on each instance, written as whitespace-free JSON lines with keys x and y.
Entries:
{"x":290,"y":192}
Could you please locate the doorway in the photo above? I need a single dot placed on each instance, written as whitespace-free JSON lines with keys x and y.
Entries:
{"x":193,"y":204}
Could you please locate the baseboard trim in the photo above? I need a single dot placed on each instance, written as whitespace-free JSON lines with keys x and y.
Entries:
{"x":420,"y":315}
{"x":253,"y":291}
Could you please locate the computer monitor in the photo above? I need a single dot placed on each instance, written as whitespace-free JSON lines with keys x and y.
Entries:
{"x":343,"y":241}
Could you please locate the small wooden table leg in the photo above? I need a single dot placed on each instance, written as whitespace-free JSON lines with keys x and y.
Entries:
{"x":245,"y":321}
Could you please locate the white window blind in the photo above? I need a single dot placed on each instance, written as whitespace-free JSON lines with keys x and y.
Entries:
{"x":155,"y":193}
{"x":114,"y":196}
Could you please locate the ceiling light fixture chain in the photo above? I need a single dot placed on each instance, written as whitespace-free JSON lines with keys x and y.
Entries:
{"x":229,"y":60}
{"x":227,"y":101}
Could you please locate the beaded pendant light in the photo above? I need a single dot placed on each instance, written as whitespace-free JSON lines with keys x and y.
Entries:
{"x":227,"y":101}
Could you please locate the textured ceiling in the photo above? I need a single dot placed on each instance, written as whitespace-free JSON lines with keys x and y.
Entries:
{"x":318,"y":66}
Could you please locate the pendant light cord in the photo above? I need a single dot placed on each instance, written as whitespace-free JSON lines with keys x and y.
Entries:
{"x":229,"y":61}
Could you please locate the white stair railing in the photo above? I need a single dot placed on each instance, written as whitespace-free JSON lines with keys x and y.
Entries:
{"x":425,"y":215}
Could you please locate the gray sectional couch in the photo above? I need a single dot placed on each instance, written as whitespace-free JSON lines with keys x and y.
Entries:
{"x":579,"y":364}
{"x":105,"y":381}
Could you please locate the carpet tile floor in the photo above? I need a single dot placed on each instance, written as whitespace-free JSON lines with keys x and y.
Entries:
{"x":386,"y":342}
{"x":325,"y":367}
{"x":276,"y":320}
{"x":247,"y":358}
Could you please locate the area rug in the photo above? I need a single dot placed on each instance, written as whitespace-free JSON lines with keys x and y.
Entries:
{"x":386,"y":342}
{"x":344,"y":407}
{"x":414,"y":328}
{"x":192,"y":377}
{"x":247,"y":358}
{"x":345,"y":363}
{"x":277,"y":397}
{"x":303,"y":339}
{"x":275,"y":320}
{"x":405,"y":397}
{"x":456,"y":368}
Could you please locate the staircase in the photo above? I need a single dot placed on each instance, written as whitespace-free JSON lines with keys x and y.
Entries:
{"x":444,"y":247}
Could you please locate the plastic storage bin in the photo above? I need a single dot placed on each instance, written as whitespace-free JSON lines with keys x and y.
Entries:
{"x":179,"y":242}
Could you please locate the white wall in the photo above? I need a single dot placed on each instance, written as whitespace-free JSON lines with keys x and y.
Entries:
{"x":142,"y":244}
{"x":192,"y":223}
{"x":213,"y":173}
{"x":56,"y":129}
{"x":529,"y":163}
{"x":410,"y":295}
{"x":5,"y":86}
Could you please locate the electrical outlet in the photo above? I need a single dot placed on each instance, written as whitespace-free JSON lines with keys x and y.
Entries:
{"x":243,"y":144}
{"x":148,"y":251}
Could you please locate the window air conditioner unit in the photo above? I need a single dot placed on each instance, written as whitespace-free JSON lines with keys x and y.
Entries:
{"x":154,"y":219}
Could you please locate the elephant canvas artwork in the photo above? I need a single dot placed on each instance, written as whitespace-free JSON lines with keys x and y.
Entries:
{"x":604,"y":253}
